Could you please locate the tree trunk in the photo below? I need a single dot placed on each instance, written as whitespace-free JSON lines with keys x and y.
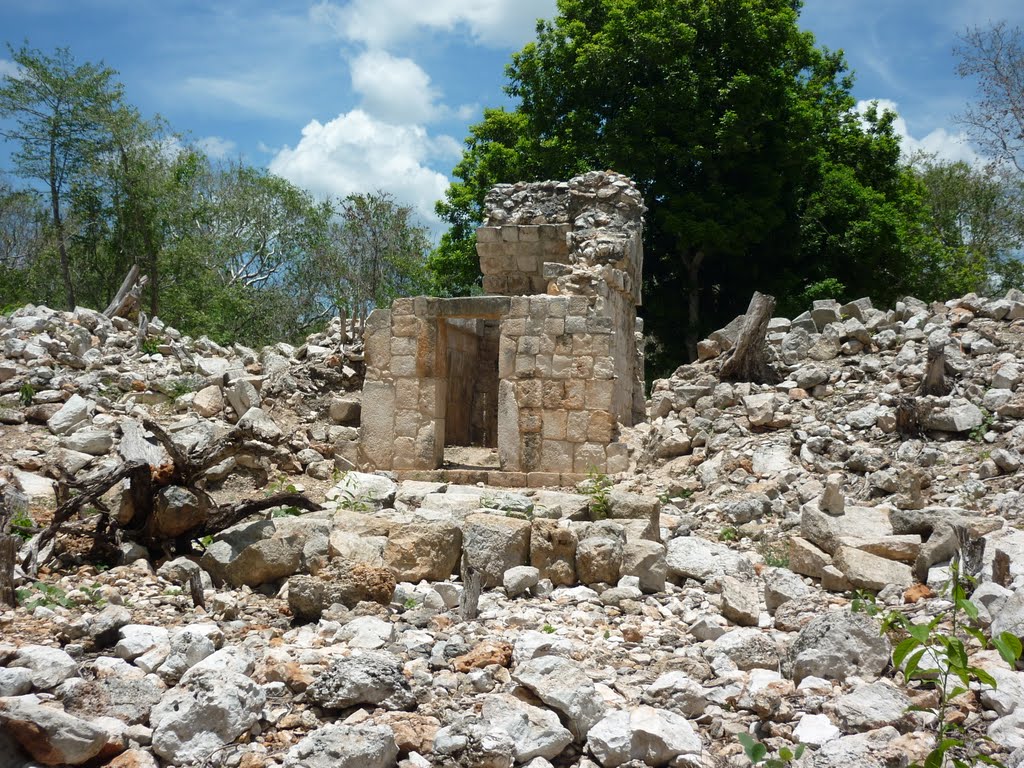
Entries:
{"x":8,"y":552}
{"x":908,"y":422}
{"x":693,"y":263}
{"x":472,"y":583}
{"x":749,"y":360}
{"x":65,"y":262}
{"x":934,"y":382}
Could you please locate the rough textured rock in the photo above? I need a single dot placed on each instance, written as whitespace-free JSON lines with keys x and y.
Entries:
{"x":344,"y":746}
{"x":838,"y":645}
{"x":424,"y":551}
{"x":562,"y":684}
{"x":212,"y":709}
{"x":369,"y":678}
{"x":494,"y":543}
{"x":651,"y":736}
{"x":49,"y":735}
{"x":348,"y":585}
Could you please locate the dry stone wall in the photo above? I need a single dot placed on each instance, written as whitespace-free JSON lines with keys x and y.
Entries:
{"x":562,"y":263}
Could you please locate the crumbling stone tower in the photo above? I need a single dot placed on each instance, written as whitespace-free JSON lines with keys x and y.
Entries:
{"x":544,"y":367}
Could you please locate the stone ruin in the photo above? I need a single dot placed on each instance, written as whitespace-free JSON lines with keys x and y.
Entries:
{"x":544,"y":368}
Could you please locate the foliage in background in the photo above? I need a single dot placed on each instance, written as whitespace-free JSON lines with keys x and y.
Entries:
{"x":231,"y":251}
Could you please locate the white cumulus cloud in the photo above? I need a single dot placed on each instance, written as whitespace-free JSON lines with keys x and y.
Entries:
{"x":357,"y":153}
{"x":381,"y":22}
{"x":394,"y":89}
{"x":939,"y":142}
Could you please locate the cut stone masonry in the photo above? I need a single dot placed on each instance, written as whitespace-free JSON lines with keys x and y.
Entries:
{"x":545,"y":367}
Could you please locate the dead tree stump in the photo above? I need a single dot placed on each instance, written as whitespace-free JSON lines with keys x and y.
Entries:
{"x":8,"y":551}
{"x":472,"y":584}
{"x":749,"y":361}
{"x":935,"y":382}
{"x":908,"y":422}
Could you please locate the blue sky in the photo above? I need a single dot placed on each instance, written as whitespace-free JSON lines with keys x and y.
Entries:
{"x":344,"y":96}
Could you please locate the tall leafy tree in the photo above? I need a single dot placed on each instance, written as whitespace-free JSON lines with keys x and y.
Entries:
{"x":730,"y":119}
{"x":61,"y":114}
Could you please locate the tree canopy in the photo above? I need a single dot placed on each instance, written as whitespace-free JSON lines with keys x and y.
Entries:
{"x":231,"y":251}
{"x":740,"y":132}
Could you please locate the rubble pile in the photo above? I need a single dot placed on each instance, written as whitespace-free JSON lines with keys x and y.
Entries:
{"x":708,"y":592}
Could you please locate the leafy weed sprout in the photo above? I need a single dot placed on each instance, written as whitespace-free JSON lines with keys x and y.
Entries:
{"x":952,"y":674}
{"x":757,"y":753}
{"x":598,"y":486}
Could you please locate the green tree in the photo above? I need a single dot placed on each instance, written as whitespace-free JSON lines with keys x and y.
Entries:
{"x":740,"y":133}
{"x":378,"y":253}
{"x":61,"y":121}
{"x":22,"y":241}
{"x":977,"y":214}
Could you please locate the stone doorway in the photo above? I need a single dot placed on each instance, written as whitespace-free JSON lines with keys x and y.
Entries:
{"x":471,"y":402}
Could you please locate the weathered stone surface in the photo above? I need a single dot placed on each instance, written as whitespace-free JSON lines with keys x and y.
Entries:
{"x":420,"y":551}
{"x":837,"y":645}
{"x":564,"y":685}
{"x":210,"y":710}
{"x":534,"y":732}
{"x":872,"y":706}
{"x":867,"y":571}
{"x":370,"y":678}
{"x":678,"y":692}
{"x":494,"y":543}
{"x":652,"y":736}
{"x":690,"y":557}
{"x":553,"y":551}
{"x":599,"y":559}
{"x":344,"y":746}
{"x":49,"y":666}
{"x":309,"y":596}
{"x":49,"y":735}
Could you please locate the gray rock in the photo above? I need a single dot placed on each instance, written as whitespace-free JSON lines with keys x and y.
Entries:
{"x":49,"y":666}
{"x":467,"y":742}
{"x":562,"y":684}
{"x":49,"y":735}
{"x":370,"y":678}
{"x":740,"y":603}
{"x":959,"y":416}
{"x":652,"y":736}
{"x":254,"y":553}
{"x":367,"y":632}
{"x":72,"y":415}
{"x":257,"y":423}
{"x":678,"y":692}
{"x":781,"y":586}
{"x":534,"y":732}
{"x":94,"y":441}
{"x":867,"y":571}
{"x":242,"y":396}
{"x":873,"y":749}
{"x":345,"y":410}
{"x":15,"y":681}
{"x":520,"y":580}
{"x":1008,"y":731}
{"x":599,"y":559}
{"x":838,"y":645}
{"x":344,"y":746}
{"x":360,"y":488}
{"x":137,"y":639}
{"x":419,"y":551}
{"x":125,"y":698}
{"x":104,"y":628}
{"x":691,"y":557}
{"x":646,"y":561}
{"x":1010,"y":617}
{"x":494,"y":543}
{"x":205,"y":713}
{"x":187,"y":648}
{"x":747,"y":649}
{"x":872,"y":706}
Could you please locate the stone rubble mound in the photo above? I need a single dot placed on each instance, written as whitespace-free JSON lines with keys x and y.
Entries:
{"x":75,"y":387}
{"x":708,"y":593}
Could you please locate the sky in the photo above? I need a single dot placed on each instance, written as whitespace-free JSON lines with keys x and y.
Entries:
{"x":350,"y":96}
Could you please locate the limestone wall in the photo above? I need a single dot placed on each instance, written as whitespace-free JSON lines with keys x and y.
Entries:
{"x":563,"y":263}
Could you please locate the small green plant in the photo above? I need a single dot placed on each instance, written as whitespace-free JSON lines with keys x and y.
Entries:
{"x":410,"y":603}
{"x":952,"y":673}
{"x":775,"y":553}
{"x":978,"y":433}
{"x":286,"y":512}
{"x":44,"y":595}
{"x":864,"y":602}
{"x":757,"y":753}
{"x":598,"y":487}
{"x":93,"y":593}
{"x":729,"y":533}
{"x":150,"y":347}
{"x":22,"y":524}
{"x":548,"y":629}
{"x":26,"y":394}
